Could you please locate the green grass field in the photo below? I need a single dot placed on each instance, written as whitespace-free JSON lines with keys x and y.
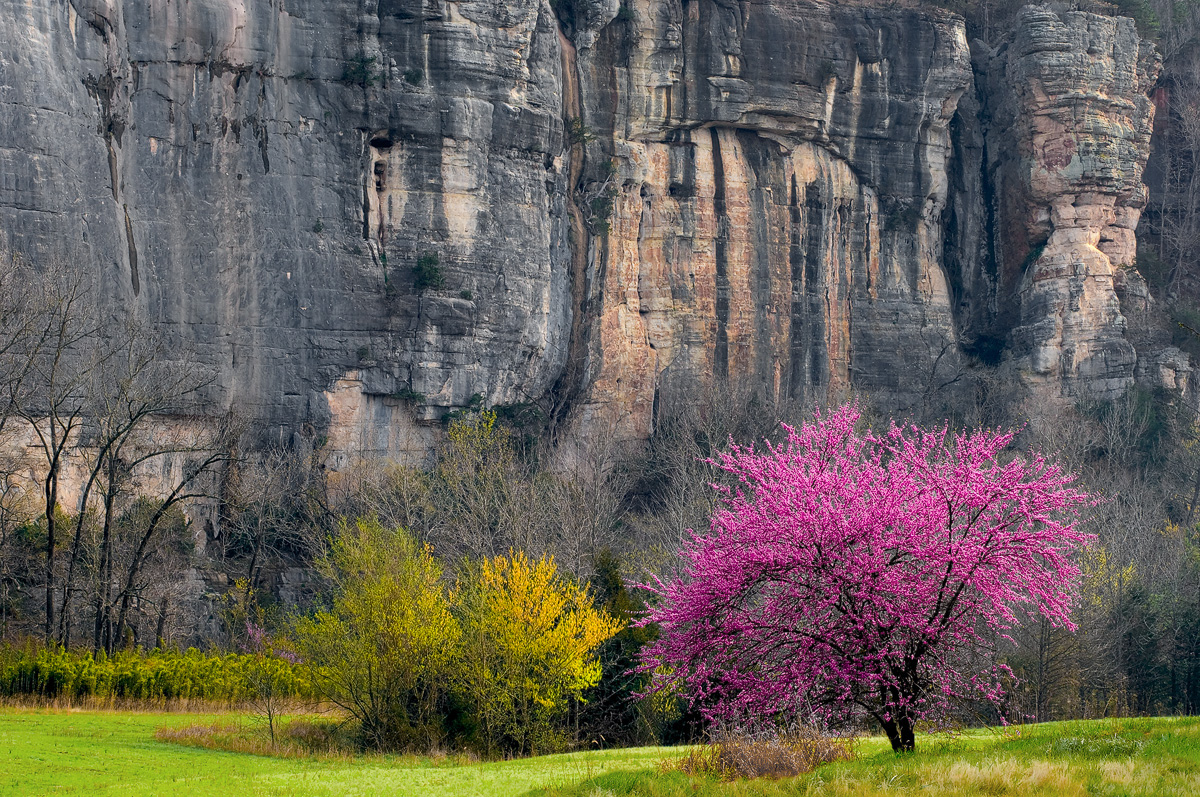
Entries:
{"x":74,"y":752}
{"x":94,"y":752}
{"x":1107,"y":757}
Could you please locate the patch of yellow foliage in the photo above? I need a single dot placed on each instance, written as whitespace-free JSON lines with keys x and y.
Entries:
{"x":528,"y":637}
{"x":1103,"y":580}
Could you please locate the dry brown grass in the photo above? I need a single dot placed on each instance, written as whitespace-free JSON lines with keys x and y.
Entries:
{"x":774,"y":756}
{"x":298,"y":738}
{"x":318,"y":737}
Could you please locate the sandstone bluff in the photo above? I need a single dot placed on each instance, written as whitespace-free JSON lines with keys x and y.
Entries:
{"x":622,"y":203}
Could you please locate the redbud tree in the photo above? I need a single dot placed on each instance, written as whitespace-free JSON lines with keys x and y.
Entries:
{"x":850,"y":573}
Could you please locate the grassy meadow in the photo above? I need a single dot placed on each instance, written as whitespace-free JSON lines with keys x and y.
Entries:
{"x":102,"y":752}
{"x":45,"y":751}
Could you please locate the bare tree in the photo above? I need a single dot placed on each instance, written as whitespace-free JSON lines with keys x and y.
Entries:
{"x":137,"y":387}
{"x":274,"y":509}
{"x":20,"y":329}
{"x":587,"y":494}
{"x":399,"y":495}
{"x":197,"y":459}
{"x":1178,"y":217}
{"x":48,"y":361}
{"x":673,"y":490}
{"x":482,"y":492}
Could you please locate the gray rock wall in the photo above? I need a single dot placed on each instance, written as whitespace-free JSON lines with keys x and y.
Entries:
{"x":1070,"y":135}
{"x":260,"y":178}
{"x":805,"y":198}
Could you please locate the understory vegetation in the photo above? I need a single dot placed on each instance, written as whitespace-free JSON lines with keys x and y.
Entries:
{"x":484,"y":601}
{"x":168,"y":677}
{"x":491,"y":661}
{"x":486,"y":598}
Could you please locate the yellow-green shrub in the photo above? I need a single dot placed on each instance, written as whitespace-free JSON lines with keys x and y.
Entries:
{"x":54,"y":672}
{"x":528,"y":646}
{"x":384,"y":648}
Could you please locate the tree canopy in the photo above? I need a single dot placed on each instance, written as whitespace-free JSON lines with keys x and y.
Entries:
{"x":854,"y":573}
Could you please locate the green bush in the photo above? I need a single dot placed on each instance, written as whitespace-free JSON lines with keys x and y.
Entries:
{"x":610,"y":710}
{"x":409,"y":396}
{"x":383,"y":649}
{"x":361,"y":71}
{"x":578,"y":132}
{"x":493,"y":662}
{"x":428,"y":273}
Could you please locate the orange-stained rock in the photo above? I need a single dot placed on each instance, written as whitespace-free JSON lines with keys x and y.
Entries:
{"x":807,"y":197}
{"x":779,"y":221}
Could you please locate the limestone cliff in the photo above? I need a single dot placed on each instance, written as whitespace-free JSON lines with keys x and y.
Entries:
{"x":260,"y":178}
{"x":1070,"y":137}
{"x":780,"y":223}
{"x":364,"y":213}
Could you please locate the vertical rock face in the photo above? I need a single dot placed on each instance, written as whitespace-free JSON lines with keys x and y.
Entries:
{"x":783,"y":174}
{"x":468,"y":170}
{"x":260,"y":179}
{"x":1071,"y":135}
{"x":362,"y":213}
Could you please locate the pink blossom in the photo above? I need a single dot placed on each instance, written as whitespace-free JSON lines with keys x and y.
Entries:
{"x":256,"y":637}
{"x":854,"y":572}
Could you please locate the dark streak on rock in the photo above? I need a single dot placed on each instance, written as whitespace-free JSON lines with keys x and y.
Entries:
{"x":133,"y":256}
{"x":721,"y":351}
{"x":112,"y":167}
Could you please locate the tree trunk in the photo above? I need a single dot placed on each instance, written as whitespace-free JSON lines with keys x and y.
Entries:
{"x":178,"y":495}
{"x":126,"y":594}
{"x":1187,"y":523}
{"x":64,"y":620}
{"x":104,"y":593}
{"x":893,"y":734}
{"x":908,"y":738}
{"x":159,"y":633}
{"x":900,"y":733}
{"x":51,"y":502}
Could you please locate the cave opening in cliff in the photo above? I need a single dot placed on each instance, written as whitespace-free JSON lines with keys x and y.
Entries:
{"x":988,"y":349}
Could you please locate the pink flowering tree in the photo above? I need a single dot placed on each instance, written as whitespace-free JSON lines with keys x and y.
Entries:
{"x":852,"y":573}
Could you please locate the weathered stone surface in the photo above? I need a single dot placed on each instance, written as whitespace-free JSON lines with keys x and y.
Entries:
{"x":1071,"y":135}
{"x":783,"y":172}
{"x":1167,"y":369}
{"x":806,"y":198}
{"x":260,"y":178}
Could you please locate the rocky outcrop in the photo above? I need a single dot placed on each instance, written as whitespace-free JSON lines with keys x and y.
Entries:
{"x":365,"y":213}
{"x":779,"y":225}
{"x":1070,"y":137}
{"x":260,"y":179}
